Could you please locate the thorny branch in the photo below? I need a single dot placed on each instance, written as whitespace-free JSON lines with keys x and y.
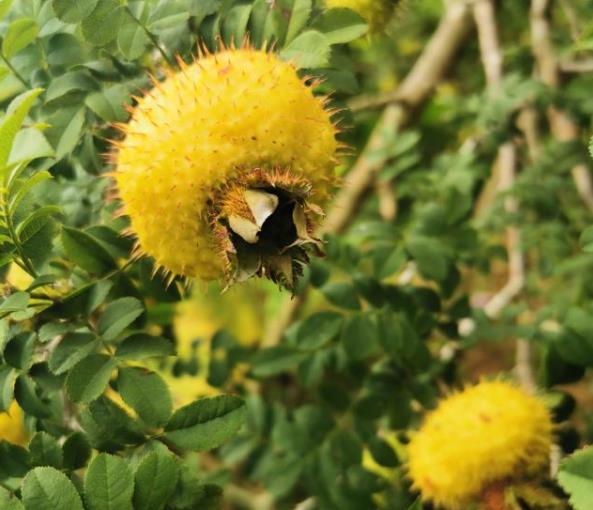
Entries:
{"x":413,"y":91}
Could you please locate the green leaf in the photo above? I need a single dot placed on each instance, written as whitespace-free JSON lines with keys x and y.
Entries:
{"x":76,"y":451}
{"x":4,"y":334}
{"x":14,"y":460}
{"x":147,"y":393}
{"x":7,"y":377}
{"x":108,"y":484}
{"x":576,"y":478}
{"x":69,"y":82}
{"x":71,"y":135}
{"x":20,"y":33}
{"x":12,"y":121}
{"x":341,"y":294}
{"x":30,"y":144}
{"x":86,"y":252}
{"x":301,"y":10}
{"x":16,"y":302}
{"x":132,"y":39}
{"x":168,"y":15}
{"x":340,"y":25}
{"x":25,"y":393}
{"x":108,"y":426}
{"x":45,"y":450}
{"x":417,"y":505}
{"x":319,"y":329}
{"x":50,"y":330}
{"x":118,"y":315}
{"x":275,"y":360}
{"x":310,"y":49}
{"x":235,"y":23}
{"x":100,"y":27}
{"x":156,"y":479}
{"x":72,"y":348}
{"x":383,"y":453}
{"x":33,"y":223}
{"x":202,"y":8}
{"x":275,"y":26}
{"x":387,"y":261}
{"x":586,"y":239}
{"x":108,"y":104}
{"x":359,"y":337}
{"x":206,"y":423}
{"x":18,"y":352}
{"x":5,"y":7}
{"x":73,"y":11}
{"x":191,"y":493}
{"x":8,"y":501}
{"x":345,"y":448}
{"x":46,"y":488}
{"x":24,"y":187}
{"x":428,"y":254}
{"x":87,"y":380}
{"x":259,"y":13}
{"x":142,"y":346}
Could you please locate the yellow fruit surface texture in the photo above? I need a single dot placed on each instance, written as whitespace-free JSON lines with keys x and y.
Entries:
{"x":12,"y":428}
{"x":376,"y":12}
{"x":205,"y":126}
{"x":487,"y":433}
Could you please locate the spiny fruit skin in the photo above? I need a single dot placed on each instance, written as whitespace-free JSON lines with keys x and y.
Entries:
{"x":487,"y":433}
{"x":376,"y":12}
{"x":215,"y":121}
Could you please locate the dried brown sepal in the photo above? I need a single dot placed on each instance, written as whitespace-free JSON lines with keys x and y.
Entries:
{"x":263,"y":224}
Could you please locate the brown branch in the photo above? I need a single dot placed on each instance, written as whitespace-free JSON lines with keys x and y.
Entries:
{"x":413,"y":91}
{"x":387,"y":199}
{"x":504,"y":169}
{"x":506,"y":164}
{"x":576,"y":66}
{"x":563,"y":128}
{"x":572,"y":19}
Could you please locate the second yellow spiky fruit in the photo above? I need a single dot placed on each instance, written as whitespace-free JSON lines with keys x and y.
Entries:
{"x":488,"y":433}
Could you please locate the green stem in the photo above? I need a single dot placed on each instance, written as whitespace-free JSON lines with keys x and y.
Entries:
{"x":150,"y":35}
{"x":26,"y":263}
{"x":14,"y":71}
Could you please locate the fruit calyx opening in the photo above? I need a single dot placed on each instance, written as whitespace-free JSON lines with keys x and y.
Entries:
{"x":264,"y":229}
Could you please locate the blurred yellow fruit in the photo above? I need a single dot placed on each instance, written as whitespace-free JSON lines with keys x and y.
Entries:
{"x":484,"y":434}
{"x":12,"y":427}
{"x":18,"y":277}
{"x":187,"y":388}
{"x":376,"y":12}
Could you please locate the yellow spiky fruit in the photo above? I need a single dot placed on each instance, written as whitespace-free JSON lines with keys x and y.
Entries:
{"x":216,"y":150}
{"x":485,"y":434}
{"x":376,"y":12}
{"x":12,"y":427}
